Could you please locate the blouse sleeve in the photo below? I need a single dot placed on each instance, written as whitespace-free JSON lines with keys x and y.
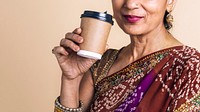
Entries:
{"x":98,"y":68}
{"x":190,"y":88}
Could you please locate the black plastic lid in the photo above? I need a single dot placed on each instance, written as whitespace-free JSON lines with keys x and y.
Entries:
{"x":98,"y":15}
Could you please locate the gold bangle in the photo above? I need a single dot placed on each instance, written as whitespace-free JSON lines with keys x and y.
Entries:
{"x":60,"y":108}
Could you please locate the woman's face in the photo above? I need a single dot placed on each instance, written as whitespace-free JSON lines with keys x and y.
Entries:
{"x":139,"y":17}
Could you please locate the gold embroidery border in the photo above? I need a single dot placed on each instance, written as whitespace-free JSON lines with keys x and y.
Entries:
{"x":188,"y":106}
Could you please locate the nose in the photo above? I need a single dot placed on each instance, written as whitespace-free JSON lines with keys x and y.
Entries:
{"x":131,"y":4}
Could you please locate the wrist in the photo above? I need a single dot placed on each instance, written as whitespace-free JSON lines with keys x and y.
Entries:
{"x":75,"y":82}
{"x":61,"y":108}
{"x":71,"y":77}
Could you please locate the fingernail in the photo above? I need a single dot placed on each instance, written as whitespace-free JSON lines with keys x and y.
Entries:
{"x":77,"y":49}
{"x":80,"y":40}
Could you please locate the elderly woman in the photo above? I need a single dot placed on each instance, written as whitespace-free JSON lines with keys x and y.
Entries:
{"x":154,"y":73}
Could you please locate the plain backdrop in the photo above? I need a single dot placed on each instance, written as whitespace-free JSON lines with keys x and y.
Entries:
{"x":29,"y":29}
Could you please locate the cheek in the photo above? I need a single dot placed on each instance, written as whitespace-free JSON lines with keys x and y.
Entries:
{"x":155,"y":12}
{"x":154,"y":5}
{"x":117,"y":5}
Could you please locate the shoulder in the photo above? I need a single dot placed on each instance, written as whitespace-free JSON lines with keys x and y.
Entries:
{"x":185,"y":65}
{"x":186,"y":57}
{"x":98,"y":69}
{"x":187,"y":53}
{"x":106,"y":57}
{"x":186,"y":61}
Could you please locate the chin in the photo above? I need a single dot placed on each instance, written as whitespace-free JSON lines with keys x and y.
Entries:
{"x":133,"y":30}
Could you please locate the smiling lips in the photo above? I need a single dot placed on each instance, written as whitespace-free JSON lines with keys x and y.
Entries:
{"x":132,"y":18}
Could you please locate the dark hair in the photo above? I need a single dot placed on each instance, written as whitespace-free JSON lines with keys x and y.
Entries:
{"x":168,"y":24}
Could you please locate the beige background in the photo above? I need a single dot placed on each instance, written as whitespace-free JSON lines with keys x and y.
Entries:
{"x":29,"y":29}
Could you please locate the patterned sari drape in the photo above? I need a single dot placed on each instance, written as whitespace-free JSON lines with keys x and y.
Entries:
{"x":166,"y":80}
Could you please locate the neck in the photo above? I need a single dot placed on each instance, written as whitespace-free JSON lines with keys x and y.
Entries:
{"x":142,"y":45}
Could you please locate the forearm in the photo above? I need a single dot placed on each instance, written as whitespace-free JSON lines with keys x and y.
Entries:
{"x":69,"y":95}
{"x":75,"y":94}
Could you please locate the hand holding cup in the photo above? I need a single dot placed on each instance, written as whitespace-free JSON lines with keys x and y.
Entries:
{"x":70,"y":63}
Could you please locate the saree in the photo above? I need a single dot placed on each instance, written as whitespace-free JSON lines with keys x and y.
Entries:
{"x":164,"y":81}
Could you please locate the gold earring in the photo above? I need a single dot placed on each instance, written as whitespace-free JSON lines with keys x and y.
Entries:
{"x":169,"y":18}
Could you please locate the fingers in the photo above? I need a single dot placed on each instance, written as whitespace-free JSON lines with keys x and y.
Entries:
{"x":77,"y":31}
{"x":59,"y":51}
{"x":75,"y":36}
{"x":66,"y":43}
{"x":72,"y":40}
{"x":69,"y":43}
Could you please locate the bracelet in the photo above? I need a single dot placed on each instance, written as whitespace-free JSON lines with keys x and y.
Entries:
{"x":60,"y":108}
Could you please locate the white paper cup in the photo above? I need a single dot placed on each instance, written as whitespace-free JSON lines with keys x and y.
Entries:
{"x":95,"y":27}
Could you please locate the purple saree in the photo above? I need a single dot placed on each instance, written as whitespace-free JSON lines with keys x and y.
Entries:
{"x":164,"y":81}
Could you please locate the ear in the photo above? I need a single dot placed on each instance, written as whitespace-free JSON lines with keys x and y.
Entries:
{"x":170,"y":5}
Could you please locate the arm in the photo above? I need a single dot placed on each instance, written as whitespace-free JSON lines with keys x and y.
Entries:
{"x":87,"y":90}
{"x":74,"y":68}
{"x":188,"y":98}
{"x":79,"y":90}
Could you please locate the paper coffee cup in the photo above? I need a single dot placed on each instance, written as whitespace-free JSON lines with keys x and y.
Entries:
{"x":95,"y":31}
